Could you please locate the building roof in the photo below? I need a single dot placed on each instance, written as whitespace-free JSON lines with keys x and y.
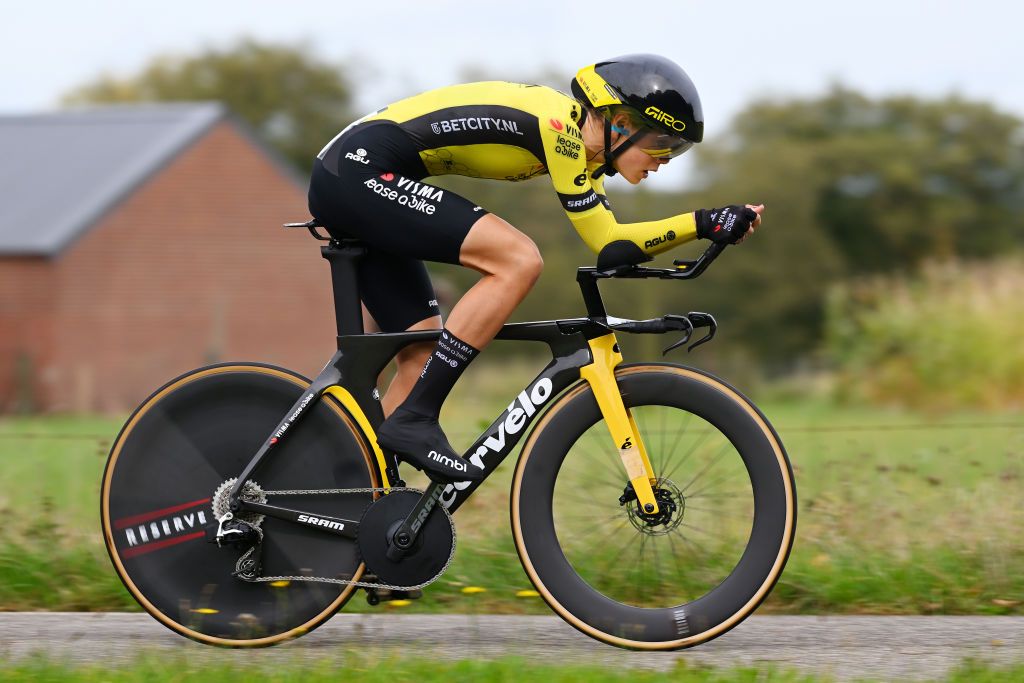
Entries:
{"x":60,"y":172}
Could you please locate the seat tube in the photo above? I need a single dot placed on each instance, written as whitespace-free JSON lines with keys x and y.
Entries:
{"x":347,"y":306}
{"x":600,"y":374}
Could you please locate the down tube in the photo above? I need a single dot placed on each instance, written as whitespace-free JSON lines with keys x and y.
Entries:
{"x":494,"y":445}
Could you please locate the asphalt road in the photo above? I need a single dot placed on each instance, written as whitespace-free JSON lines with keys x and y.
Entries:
{"x":855,"y":647}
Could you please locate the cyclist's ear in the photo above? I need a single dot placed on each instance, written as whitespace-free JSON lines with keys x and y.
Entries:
{"x":621,"y":253}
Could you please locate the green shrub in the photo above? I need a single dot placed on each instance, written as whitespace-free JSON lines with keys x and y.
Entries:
{"x":949,"y":337}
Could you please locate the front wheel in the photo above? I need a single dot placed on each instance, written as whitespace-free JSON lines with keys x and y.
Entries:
{"x":704,"y":561}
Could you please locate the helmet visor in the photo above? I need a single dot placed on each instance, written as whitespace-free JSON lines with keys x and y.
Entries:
{"x":661,"y":145}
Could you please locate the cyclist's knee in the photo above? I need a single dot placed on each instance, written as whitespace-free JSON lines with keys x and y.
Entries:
{"x":527,"y":263}
{"x":495,"y":247}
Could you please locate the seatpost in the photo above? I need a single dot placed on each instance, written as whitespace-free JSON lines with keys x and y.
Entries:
{"x":347,"y":307}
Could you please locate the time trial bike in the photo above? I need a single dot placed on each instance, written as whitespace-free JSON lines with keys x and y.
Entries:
{"x":652,"y":505}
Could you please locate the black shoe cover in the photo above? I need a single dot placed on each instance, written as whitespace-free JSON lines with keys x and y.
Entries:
{"x":418,"y":440}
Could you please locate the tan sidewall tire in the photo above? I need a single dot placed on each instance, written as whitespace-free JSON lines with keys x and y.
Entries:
{"x":108,"y":539}
{"x":776,"y":569}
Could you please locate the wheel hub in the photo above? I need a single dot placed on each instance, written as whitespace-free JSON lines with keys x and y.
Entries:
{"x":671,"y":509}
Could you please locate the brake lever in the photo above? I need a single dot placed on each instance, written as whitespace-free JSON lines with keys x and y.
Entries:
{"x":699,"y":319}
{"x":686,"y":325}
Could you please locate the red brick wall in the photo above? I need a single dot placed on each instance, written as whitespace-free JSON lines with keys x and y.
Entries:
{"x":193,"y":267}
{"x":26,"y":302}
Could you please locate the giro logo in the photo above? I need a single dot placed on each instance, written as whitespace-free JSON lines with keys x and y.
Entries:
{"x":320,"y":521}
{"x":667,"y":237}
{"x":448,"y":462}
{"x":512,"y":423}
{"x":666,"y":118}
{"x":162,"y":528}
{"x":359,"y":156}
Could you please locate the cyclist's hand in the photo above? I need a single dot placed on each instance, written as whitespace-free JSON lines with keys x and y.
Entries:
{"x":730,"y":224}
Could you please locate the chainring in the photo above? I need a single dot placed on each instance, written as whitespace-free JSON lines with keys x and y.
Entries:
{"x":431,"y":551}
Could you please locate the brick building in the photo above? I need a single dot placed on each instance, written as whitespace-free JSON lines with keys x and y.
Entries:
{"x":138,"y":242}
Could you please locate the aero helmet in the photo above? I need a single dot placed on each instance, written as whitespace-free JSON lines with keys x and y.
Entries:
{"x":655,"y":91}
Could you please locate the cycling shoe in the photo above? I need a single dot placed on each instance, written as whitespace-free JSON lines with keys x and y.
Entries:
{"x":418,"y":440}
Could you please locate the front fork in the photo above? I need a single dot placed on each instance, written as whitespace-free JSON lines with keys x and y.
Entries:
{"x":601,"y":376}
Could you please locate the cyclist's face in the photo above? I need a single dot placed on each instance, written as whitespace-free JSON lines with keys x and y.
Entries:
{"x":635,"y":163}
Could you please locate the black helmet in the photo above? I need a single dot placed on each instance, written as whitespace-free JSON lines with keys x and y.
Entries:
{"x":657,"y":92}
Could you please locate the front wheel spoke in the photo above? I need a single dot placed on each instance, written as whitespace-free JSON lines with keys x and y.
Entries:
{"x":726,"y":447}
{"x":701,"y":550}
{"x":718,"y":496}
{"x":712,"y":486}
{"x":618,"y":555}
{"x":698,"y":442}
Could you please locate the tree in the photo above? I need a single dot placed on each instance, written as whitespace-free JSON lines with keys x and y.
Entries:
{"x":853,"y":185}
{"x":294,"y":102}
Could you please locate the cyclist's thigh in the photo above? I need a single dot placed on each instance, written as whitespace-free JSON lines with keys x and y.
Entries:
{"x":396,"y":291}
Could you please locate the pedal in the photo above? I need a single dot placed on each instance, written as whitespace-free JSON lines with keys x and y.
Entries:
{"x":375,"y":596}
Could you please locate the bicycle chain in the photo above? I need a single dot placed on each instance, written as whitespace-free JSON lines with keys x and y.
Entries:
{"x":240,"y":572}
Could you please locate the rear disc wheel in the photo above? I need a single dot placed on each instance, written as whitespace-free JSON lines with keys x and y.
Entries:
{"x":181,"y":445}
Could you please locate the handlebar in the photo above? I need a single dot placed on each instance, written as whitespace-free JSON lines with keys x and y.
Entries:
{"x":684,"y":270}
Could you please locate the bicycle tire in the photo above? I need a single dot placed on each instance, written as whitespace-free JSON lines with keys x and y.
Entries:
{"x":179,"y":445}
{"x":607,"y":599}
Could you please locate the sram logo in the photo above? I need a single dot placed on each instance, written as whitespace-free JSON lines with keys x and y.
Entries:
{"x":318,"y":521}
{"x":524,"y":406}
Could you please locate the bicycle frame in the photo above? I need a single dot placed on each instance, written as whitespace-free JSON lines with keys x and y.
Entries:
{"x":584,"y":348}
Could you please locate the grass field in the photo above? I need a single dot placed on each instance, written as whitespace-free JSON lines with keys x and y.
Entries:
{"x":899,"y":513}
{"x":359,"y":666}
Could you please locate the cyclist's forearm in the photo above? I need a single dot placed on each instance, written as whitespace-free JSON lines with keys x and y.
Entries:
{"x":652,"y":237}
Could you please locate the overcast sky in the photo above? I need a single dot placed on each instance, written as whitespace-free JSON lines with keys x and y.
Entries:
{"x":732,"y":50}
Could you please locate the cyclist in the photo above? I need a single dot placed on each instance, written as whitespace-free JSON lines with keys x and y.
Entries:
{"x":628,"y":115}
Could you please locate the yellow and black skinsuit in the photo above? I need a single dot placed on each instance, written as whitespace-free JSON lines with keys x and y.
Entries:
{"x":367,"y":183}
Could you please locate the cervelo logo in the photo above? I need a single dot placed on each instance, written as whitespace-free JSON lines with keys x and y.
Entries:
{"x":524,"y":406}
{"x":319,"y":521}
{"x":291,"y":418}
{"x":359,"y":156}
{"x":667,"y":237}
{"x":666,"y":118}
{"x":448,"y":462}
{"x":476,"y":123}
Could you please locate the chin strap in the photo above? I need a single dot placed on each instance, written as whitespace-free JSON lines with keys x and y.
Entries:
{"x":610,"y":155}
